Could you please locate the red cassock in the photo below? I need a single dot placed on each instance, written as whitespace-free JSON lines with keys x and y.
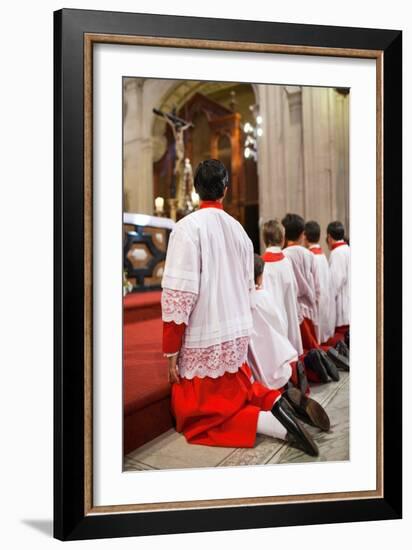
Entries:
{"x":338,"y":336}
{"x":216,"y":402}
{"x":220,"y":411}
{"x":308,"y":333}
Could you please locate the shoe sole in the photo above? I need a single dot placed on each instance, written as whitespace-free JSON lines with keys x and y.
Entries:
{"x":314,"y":411}
{"x":308,"y":446}
{"x":330,"y":367}
{"x":338,"y":363}
{"x":319,"y":369}
{"x":342,"y":351}
{"x":302,"y":378}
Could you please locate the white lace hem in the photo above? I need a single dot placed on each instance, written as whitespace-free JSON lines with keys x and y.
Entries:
{"x":177,"y":305}
{"x":213,"y":361}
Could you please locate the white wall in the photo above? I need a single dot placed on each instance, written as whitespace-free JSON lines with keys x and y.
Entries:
{"x":26,"y":238}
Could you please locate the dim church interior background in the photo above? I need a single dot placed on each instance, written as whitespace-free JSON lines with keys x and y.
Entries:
{"x":302,"y":163}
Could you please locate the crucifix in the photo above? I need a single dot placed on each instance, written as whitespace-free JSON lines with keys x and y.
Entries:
{"x":178,"y":126}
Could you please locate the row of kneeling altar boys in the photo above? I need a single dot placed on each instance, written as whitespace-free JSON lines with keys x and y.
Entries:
{"x":246,"y":336}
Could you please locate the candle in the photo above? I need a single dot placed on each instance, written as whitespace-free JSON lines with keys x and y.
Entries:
{"x":159,"y":204}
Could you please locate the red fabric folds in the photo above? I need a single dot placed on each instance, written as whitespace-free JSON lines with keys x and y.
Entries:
{"x":221,"y":411}
{"x":338,"y":336}
{"x":172,"y":336}
{"x":337,"y":245}
{"x":211,"y":204}
{"x":308,"y":333}
{"x":316,"y":250}
{"x":272,"y":257}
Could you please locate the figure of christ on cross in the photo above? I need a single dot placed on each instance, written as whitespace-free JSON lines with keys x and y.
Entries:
{"x":178,"y":126}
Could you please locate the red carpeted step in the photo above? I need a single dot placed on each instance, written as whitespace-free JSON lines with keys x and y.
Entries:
{"x":140,"y":306}
{"x":146,"y":387}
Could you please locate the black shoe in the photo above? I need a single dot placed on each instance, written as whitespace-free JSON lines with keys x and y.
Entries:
{"x":296,"y":433}
{"x":312,"y":361}
{"x":340,"y":361}
{"x":307,"y":409}
{"x":342,"y":348}
{"x":329,"y":365}
{"x":302,"y":378}
{"x":347,"y":338}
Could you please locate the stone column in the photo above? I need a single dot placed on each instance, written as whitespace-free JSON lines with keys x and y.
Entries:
{"x":138,"y":177}
{"x":303,"y":155}
{"x":325,"y":147}
{"x":342,"y":161}
{"x":295,"y":198}
{"x":318,"y":143}
{"x":280,"y":152}
{"x":272,"y":153}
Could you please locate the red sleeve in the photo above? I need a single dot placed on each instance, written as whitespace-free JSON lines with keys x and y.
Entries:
{"x":172,"y":336}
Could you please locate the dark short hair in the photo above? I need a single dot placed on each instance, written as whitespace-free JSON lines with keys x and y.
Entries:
{"x":273,"y":232}
{"x":210,"y":179}
{"x":259,"y":266}
{"x":294,"y":226}
{"x":336,"y":230}
{"x":312,"y":231}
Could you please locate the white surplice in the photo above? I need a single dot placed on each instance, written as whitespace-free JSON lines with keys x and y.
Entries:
{"x":339,"y":263}
{"x":270,"y":352}
{"x":210,"y":255}
{"x":279,"y":280}
{"x":326,"y":312}
{"x":306,"y":273}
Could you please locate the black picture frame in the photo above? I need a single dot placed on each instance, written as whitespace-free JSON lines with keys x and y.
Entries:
{"x":71,"y":521}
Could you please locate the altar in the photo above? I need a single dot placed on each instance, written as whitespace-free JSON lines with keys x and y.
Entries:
{"x":145,"y":240}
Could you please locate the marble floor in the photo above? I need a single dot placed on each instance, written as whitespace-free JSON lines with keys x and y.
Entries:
{"x":170,"y":450}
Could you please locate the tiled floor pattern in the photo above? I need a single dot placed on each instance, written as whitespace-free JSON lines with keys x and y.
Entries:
{"x":170,"y":450}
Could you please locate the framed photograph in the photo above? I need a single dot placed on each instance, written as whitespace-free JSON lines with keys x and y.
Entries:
{"x":228,"y":274}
